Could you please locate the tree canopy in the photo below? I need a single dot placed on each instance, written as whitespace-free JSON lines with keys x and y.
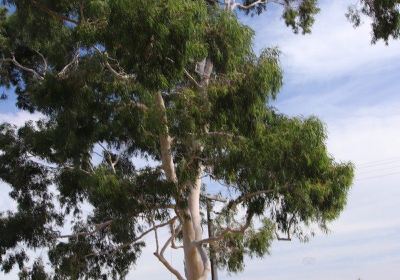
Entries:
{"x":176,"y":82}
{"x":384,"y":16}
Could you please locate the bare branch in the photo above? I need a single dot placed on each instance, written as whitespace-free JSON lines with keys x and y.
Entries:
{"x":44,"y":62}
{"x":187,"y":74}
{"x":150,"y":230}
{"x":137,"y":238}
{"x":80,"y":169}
{"x":156,"y":238}
{"x":27,"y":69}
{"x":174,"y":233}
{"x":259,"y":2}
{"x":162,"y":259}
{"x":120,"y":75}
{"x":160,"y":254}
{"x":191,"y":78}
{"x":74,"y":62}
{"x":218,"y":198}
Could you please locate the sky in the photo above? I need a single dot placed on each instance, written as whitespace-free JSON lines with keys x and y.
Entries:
{"x":354,"y":88}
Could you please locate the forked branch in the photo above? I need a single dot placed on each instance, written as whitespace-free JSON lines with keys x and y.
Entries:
{"x":160,"y":254}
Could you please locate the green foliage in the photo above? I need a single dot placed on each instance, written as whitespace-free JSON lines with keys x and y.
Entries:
{"x":231,"y":250}
{"x":385,"y":16}
{"x":92,"y":69}
{"x":302,"y":16}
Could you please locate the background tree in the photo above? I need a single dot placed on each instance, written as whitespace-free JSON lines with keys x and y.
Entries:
{"x":174,"y":81}
{"x":384,"y":14}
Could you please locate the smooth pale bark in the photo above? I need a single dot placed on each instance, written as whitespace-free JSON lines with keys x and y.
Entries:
{"x":196,"y":260}
{"x":165,"y":143}
{"x":197,"y":265}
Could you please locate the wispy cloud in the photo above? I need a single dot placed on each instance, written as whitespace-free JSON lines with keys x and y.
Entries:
{"x":334,"y":49}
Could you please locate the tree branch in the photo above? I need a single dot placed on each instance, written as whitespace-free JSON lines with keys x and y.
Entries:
{"x":44,"y":62}
{"x":222,"y":234}
{"x":174,"y":233}
{"x":62,"y":74}
{"x":98,"y":227}
{"x":120,"y":75}
{"x":187,"y":74}
{"x":161,"y":258}
{"x":166,"y":142}
{"x":247,"y":196}
{"x":191,"y":78}
{"x":218,"y":198}
{"x":160,"y":255}
{"x":27,"y":69}
{"x":247,"y":7}
{"x":54,"y":14}
{"x":137,"y":238}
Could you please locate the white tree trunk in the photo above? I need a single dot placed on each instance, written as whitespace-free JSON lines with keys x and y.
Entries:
{"x":197,"y":264}
{"x":196,"y":261}
{"x":165,"y":143}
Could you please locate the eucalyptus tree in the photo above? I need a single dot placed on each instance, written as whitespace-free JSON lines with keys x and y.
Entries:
{"x":383,"y":14}
{"x":175,"y":82}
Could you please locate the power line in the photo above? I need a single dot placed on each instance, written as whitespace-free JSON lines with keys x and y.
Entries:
{"x":379,"y":162}
{"x":378,"y":176}
{"x":366,"y":171}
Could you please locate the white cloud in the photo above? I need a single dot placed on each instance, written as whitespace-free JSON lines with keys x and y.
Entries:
{"x":364,"y":241}
{"x":333,"y":49}
{"x":19,"y":118}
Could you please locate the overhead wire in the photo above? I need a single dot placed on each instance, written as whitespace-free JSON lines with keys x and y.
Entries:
{"x":378,"y":168}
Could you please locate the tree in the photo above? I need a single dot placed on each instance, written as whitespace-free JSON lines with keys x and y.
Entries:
{"x":385,"y":16}
{"x":174,"y":81}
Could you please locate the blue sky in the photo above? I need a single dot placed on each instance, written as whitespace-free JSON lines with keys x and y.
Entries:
{"x":354,"y":87}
